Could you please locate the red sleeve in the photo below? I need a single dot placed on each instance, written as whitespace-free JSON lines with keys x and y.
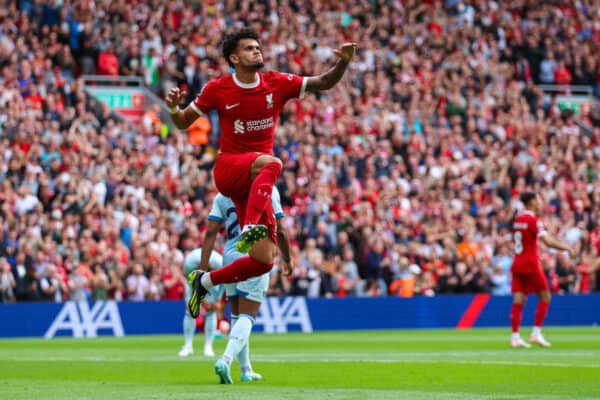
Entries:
{"x":291,"y":86}
{"x":206,"y":99}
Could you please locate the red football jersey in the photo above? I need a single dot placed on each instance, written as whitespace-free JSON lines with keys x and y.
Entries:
{"x":248,"y":113}
{"x":526,"y":230}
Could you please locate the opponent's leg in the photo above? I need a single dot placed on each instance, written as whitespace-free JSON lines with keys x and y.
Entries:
{"x":238,"y":338}
{"x":210,"y":328}
{"x":189,"y":329}
{"x":247,"y":373}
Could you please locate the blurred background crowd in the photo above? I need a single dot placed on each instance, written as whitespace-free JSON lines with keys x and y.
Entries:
{"x":401,"y":181}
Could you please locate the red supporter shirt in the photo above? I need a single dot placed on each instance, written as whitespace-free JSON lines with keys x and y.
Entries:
{"x":526,"y":230}
{"x":176,"y":291}
{"x":248,"y":113}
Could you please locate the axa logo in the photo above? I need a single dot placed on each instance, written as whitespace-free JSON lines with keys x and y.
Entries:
{"x":238,"y":127}
{"x":269,"y":99}
{"x":278,"y":317}
{"x":85,"y":322}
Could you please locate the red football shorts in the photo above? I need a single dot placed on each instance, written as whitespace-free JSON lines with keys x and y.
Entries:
{"x":232,"y":178}
{"x":529,"y":282}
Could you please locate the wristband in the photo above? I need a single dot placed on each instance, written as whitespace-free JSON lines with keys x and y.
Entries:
{"x":173,"y":110}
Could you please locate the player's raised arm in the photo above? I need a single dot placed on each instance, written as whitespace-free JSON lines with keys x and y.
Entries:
{"x":181,"y":118}
{"x":328,"y":79}
{"x":556,"y":244}
{"x":212,"y":230}
{"x":283,"y":241}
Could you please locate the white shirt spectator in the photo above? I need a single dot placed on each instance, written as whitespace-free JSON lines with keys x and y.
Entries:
{"x":100,"y":190}
{"x":141,"y":285}
{"x":26,"y":204}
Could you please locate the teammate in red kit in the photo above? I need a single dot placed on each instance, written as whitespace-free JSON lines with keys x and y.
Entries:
{"x":248,"y":103}
{"x":527,"y":273}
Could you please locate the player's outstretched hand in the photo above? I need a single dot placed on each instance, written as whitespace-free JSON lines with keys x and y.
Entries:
{"x":174,"y":97}
{"x":572,"y":252}
{"x":346,"y":51}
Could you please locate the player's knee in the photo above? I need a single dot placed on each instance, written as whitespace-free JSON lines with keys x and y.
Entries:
{"x":545,"y":296}
{"x":272,"y":160}
{"x":262,"y":257}
{"x":249,"y":307}
{"x":519,"y":298}
{"x":264,"y":251}
{"x":263,"y":161}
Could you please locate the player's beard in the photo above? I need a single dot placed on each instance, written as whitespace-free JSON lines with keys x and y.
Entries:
{"x":258,"y":65}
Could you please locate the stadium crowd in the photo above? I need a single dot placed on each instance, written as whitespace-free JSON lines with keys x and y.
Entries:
{"x":402,"y":181}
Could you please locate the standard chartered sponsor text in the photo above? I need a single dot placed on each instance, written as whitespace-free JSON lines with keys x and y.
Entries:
{"x":259,"y":124}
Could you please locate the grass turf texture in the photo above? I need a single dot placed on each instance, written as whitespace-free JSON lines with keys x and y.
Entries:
{"x":411,"y":364}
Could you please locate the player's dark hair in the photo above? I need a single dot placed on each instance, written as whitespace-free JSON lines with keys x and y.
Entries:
{"x":231,"y":41}
{"x":526,"y":197}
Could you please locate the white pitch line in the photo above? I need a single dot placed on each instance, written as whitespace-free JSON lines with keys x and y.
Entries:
{"x":321,"y":359}
{"x":467,"y":353}
{"x":434,"y":361}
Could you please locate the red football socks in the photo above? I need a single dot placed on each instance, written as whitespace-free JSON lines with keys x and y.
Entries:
{"x":516,"y":313}
{"x":260,"y":192}
{"x":540,"y":313}
{"x":239,"y":270}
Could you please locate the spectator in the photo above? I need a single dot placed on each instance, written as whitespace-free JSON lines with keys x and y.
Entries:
{"x":52,"y":285}
{"x":562,"y":75}
{"x":548,"y":68}
{"x":154,"y":290}
{"x":137,"y":284}
{"x":108,"y":63}
{"x":78,"y":284}
{"x":150,"y":68}
{"x":423,"y":149}
{"x":20,"y":272}
{"x":100,"y":283}
{"x":173,"y":282}
{"x":301,"y":282}
{"x":500,"y":282}
{"x":405,"y":278}
{"x":7,"y":283}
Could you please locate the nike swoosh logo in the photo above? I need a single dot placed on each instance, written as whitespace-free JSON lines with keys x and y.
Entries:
{"x":230,"y":106}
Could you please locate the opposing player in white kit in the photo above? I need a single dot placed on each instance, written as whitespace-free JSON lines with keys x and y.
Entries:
{"x":246,"y":296}
{"x":191,"y":262}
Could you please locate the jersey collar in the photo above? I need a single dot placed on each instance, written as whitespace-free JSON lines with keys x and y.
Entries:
{"x":247,"y":85}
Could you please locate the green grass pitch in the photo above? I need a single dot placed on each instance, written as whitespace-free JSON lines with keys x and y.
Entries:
{"x":411,"y":364}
